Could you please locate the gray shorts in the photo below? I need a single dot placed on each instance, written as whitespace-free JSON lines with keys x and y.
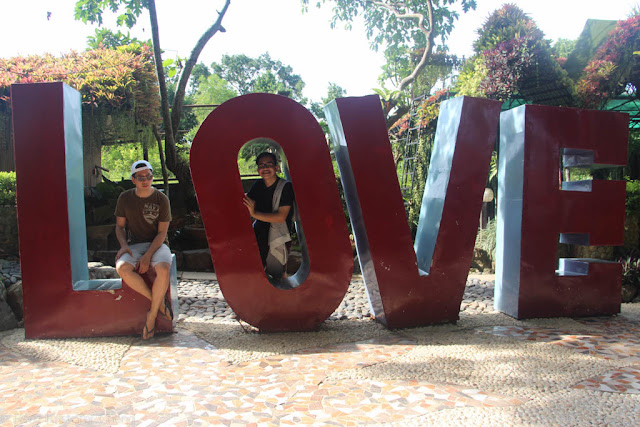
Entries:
{"x":163,"y":254}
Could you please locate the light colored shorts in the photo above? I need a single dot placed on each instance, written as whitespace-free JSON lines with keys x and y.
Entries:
{"x":163,"y":254}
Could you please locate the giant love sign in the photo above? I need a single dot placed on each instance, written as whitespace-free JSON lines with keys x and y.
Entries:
{"x":408,"y":284}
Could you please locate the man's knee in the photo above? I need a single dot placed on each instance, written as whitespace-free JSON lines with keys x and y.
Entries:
{"x":124,"y":268}
{"x":162,"y":268}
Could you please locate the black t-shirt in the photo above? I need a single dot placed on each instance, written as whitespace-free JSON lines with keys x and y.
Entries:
{"x":263,"y":196}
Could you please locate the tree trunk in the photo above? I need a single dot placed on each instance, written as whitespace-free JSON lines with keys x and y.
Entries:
{"x":171,"y":119}
{"x":163,"y":163}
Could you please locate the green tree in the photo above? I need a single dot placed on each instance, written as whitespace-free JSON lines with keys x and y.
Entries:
{"x":333,"y":91}
{"x":212,"y":90}
{"x":472,"y":74}
{"x":117,"y":158}
{"x":513,"y":61}
{"x":106,"y":38}
{"x":506,"y":23}
{"x":563,"y":47}
{"x":200,"y":72}
{"x":262,"y":74}
{"x":614,"y":68}
{"x":91,"y":11}
{"x":408,"y":28}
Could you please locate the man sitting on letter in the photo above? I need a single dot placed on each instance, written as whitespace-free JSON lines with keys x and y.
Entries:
{"x":147,"y":213}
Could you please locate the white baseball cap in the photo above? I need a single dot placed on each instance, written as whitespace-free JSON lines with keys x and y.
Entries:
{"x":140,"y":165}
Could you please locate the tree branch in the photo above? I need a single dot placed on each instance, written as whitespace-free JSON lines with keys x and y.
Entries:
{"x":427,"y":49}
{"x":162,"y":84}
{"x":178,"y":101}
{"x":163,"y":164}
{"x":428,"y":32}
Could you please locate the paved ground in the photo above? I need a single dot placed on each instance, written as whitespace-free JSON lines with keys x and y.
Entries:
{"x":487,"y":369}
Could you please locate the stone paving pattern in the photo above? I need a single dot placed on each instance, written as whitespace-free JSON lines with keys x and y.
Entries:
{"x":486,"y":369}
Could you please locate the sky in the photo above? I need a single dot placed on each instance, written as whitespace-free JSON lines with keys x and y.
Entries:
{"x":306,"y":42}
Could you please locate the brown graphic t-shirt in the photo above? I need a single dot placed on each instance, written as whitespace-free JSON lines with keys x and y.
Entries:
{"x":143,"y":214}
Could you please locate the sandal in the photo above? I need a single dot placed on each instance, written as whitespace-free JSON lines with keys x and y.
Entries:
{"x":167,"y":307}
{"x":147,"y":333}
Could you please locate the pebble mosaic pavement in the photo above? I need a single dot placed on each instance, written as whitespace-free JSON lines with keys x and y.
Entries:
{"x":611,"y":339}
{"x":180,"y":379}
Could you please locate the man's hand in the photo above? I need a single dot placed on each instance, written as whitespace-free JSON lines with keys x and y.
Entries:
{"x":143,"y":263}
{"x":250,"y":204}
{"x":123,"y":250}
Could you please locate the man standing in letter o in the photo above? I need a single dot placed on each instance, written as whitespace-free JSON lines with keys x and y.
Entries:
{"x":270,"y":202}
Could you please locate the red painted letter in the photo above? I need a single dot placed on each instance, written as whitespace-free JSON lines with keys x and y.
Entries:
{"x":401,"y":292}
{"x":324,"y":280}
{"x":533,"y":211}
{"x":59,"y":300}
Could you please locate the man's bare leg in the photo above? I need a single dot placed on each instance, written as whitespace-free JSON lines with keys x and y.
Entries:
{"x":133,"y":279}
{"x":160,"y":285}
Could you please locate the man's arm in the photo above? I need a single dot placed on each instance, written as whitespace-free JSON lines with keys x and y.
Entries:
{"x":280,"y":216}
{"x":121,"y":235}
{"x":145,"y":260}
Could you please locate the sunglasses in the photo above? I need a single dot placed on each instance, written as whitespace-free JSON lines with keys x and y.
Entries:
{"x":266,"y":165}
{"x":142,"y":178}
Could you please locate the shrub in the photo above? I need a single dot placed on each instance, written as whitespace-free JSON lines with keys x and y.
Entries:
{"x":486,"y":239}
{"x":632,"y":205}
{"x":614,"y":66}
{"x":630,"y":278}
{"x":108,"y":190}
{"x":7,"y":188}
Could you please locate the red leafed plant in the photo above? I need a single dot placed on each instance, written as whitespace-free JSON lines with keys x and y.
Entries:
{"x":113,"y":79}
{"x":614,"y":66}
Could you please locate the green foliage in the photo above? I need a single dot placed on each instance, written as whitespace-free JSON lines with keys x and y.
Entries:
{"x":211,"y":90}
{"x":519,"y":62}
{"x":632,"y":205}
{"x":246,"y":167}
{"x":121,"y":79}
{"x":469,"y":79}
{"x":563,"y":47}
{"x":105,"y":38}
{"x":401,"y":62}
{"x":171,"y":69}
{"x":392,"y":98}
{"x":396,"y":26}
{"x":317,"y":108}
{"x":118,"y":158}
{"x":426,"y":115}
{"x":199,"y":73}
{"x":108,"y":190}
{"x":345,"y":209}
{"x":425,"y":118}
{"x":632,"y":169}
{"x":581,"y":174}
{"x":91,"y":10}
{"x":384,"y":27}
{"x":262,"y":74}
{"x":631,"y":272}
{"x":613,"y":67}
{"x":593,"y":35}
{"x":414,"y":199}
{"x":7,"y":188}
{"x":507,"y":23}
{"x":251,"y":149}
{"x":240,"y":74}
{"x":486,"y":238}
